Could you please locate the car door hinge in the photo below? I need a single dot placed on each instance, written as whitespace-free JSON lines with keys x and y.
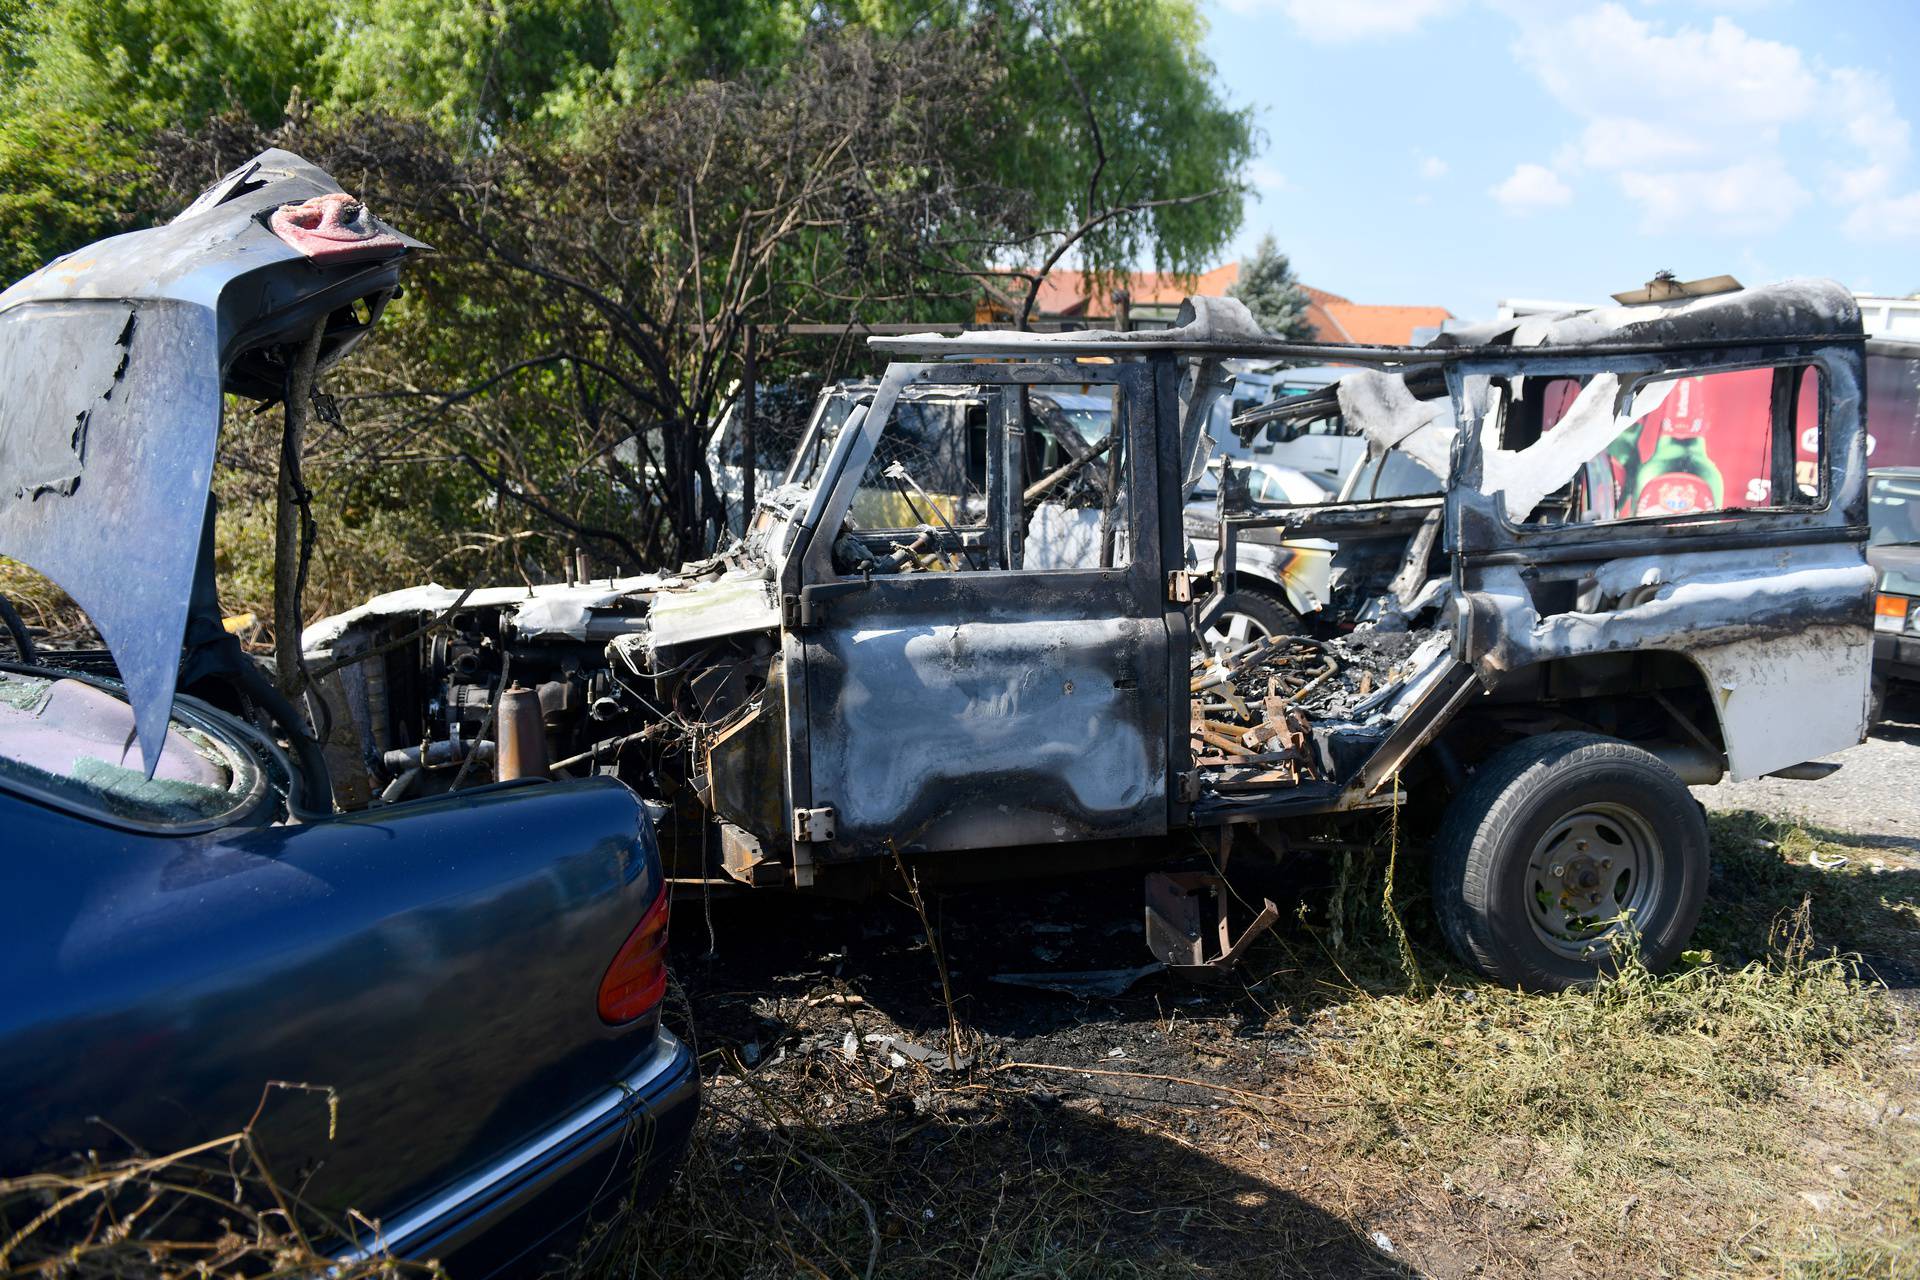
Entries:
{"x":808,"y":608}
{"x":813,"y":826}
{"x":1180,"y":586}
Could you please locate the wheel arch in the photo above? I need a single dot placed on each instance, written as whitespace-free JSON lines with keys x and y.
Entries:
{"x":1296,"y":597}
{"x":1661,"y":700}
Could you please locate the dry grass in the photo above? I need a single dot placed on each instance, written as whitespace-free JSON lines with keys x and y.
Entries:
{"x":213,"y":1209}
{"x":1744,"y":1115}
{"x":56,"y":621}
{"x":1715,"y":1119}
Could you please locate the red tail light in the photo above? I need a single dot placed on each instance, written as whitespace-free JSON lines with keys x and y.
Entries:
{"x":637,"y":978}
{"x":332,"y":226}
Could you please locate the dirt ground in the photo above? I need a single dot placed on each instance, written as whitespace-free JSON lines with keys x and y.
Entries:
{"x":1325,"y":1113}
{"x":1876,"y":792}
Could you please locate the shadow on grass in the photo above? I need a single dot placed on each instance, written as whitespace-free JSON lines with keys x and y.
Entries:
{"x":1118,"y":1156}
{"x":974,"y":1183}
{"x":1763,"y":867}
{"x":1145,"y":1143}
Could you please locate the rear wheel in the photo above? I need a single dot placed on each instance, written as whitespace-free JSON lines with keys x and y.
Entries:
{"x":1251,"y":613}
{"x":1558,"y":846}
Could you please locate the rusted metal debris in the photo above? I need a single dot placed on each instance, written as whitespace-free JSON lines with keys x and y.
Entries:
{"x":1245,"y":706}
{"x":1189,"y":926}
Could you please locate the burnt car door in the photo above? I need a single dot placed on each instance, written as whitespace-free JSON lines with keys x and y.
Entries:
{"x":1705,"y":500}
{"x":950,"y":692}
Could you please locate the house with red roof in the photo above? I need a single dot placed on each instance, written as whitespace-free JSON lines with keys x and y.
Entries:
{"x":1150,"y":299}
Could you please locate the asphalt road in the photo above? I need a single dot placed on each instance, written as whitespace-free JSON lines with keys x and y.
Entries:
{"x":1875,"y":797}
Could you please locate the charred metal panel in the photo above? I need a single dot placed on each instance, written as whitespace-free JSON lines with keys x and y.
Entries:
{"x":1179,"y":461}
{"x":112,"y":362}
{"x":1780,"y":635}
{"x":556,"y":609}
{"x":744,"y":766}
{"x":1787,"y":311}
{"x":1772,"y":604}
{"x":988,"y":732}
{"x":982,"y":709}
{"x":108,"y":417}
{"x":732,"y":604}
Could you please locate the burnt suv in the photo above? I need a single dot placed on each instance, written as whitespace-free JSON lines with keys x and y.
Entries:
{"x":1643,"y":569}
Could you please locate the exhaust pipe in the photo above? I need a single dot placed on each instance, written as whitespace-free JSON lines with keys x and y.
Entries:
{"x":1696,"y":766}
{"x":1807,"y":770}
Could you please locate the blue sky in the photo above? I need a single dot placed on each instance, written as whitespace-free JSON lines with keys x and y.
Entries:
{"x":1463,"y":151}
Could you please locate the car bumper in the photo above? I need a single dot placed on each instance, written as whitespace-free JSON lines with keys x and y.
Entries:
{"x":1896,"y":655}
{"x":532,"y":1201}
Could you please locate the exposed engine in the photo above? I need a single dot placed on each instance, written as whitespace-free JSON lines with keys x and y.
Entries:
{"x":423,"y":690}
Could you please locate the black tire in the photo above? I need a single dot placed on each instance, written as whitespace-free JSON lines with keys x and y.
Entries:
{"x":1268,"y":613}
{"x":1876,"y":701}
{"x":1598,"y":820}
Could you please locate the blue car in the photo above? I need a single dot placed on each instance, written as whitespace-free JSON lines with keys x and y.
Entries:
{"x":476,"y":976}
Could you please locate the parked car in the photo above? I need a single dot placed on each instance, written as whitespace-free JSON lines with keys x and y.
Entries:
{"x":1893,"y":549}
{"x":833,"y":692}
{"x":477,"y":977}
{"x":1281,"y":586}
{"x":1266,"y":482}
{"x":1325,"y":449}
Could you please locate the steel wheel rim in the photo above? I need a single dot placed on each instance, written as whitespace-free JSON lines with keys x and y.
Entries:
{"x":1234,"y":629}
{"x":1594,"y":872}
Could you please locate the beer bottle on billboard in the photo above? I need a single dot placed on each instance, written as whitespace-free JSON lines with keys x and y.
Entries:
{"x":1623,"y":457}
{"x":1680,"y":477}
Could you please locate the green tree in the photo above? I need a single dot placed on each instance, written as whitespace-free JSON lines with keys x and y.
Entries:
{"x":1114,"y":124}
{"x":617,"y":188}
{"x":1268,"y":287}
{"x":90,"y":81}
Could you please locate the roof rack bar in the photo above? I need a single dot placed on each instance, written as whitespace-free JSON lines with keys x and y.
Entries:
{"x":1042,"y":347}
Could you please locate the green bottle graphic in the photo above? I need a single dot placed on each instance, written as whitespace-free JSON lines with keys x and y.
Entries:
{"x":1680,"y":477}
{"x":1624,"y":453}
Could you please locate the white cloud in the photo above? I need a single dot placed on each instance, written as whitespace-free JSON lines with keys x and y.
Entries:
{"x":1607,"y":63}
{"x":1432,"y":168}
{"x":1530,"y":187}
{"x":1869,"y":117}
{"x":1868,"y":120}
{"x":1693,"y":122}
{"x":1344,"y":21}
{"x":1619,"y":142}
{"x":1752,"y":196}
{"x":1897,"y":218}
{"x":1263,"y":177}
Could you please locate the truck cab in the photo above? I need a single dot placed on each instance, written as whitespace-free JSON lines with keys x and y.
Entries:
{"x":985,"y":673}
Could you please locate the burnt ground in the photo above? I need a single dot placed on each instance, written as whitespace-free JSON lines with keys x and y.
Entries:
{"x":1157,"y":1108}
{"x":1307,"y":1117}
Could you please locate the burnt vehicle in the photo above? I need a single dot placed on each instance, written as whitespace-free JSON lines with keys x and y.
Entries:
{"x":476,"y":977}
{"x":1893,"y":549}
{"x":1584,"y":616}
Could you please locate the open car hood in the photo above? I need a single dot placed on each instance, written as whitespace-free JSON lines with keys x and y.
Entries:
{"x":113,"y":359}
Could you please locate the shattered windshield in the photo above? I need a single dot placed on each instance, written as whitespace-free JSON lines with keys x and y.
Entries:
{"x":1090,"y":415}
{"x":74,"y":741}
